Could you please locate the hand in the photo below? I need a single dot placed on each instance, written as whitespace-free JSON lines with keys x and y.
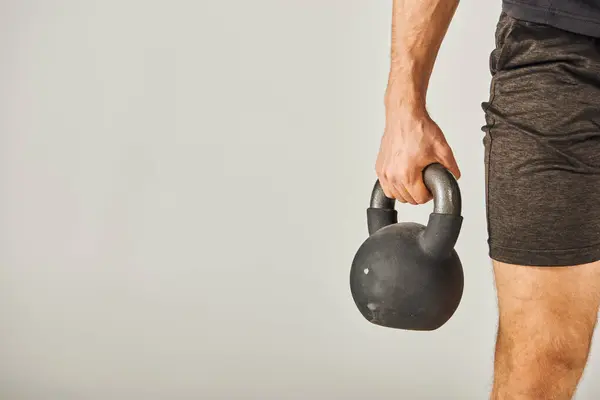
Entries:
{"x":410,"y":143}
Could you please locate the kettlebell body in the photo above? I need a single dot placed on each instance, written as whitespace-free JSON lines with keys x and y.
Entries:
{"x":407,"y":275}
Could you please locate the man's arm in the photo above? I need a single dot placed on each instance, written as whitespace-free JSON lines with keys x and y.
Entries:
{"x":412,"y":140}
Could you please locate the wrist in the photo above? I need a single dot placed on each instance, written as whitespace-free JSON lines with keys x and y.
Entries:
{"x":405,"y":104}
{"x":407,"y":85}
{"x":406,"y":97}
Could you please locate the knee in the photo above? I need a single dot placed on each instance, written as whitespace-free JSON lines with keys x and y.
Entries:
{"x":558,"y":357}
{"x":549,"y":351}
{"x":536,"y":364}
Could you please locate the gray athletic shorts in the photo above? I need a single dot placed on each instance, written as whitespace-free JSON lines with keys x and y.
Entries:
{"x":542,"y":146}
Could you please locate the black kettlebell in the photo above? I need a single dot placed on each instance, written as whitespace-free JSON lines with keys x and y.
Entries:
{"x":406,"y":275}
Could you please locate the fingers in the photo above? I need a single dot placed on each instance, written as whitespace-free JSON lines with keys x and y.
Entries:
{"x":403,"y":157}
{"x":419,"y":192}
{"x":405,"y":194}
{"x":394,"y":188}
{"x":404,"y":182}
{"x":415,"y":189}
{"x":391,"y":190}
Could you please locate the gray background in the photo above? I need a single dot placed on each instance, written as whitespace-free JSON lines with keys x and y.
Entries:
{"x":183,"y":188}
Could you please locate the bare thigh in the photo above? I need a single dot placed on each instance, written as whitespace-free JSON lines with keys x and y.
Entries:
{"x":547,"y":317}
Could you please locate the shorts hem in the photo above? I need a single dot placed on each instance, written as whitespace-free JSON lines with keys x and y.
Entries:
{"x":545,"y":258}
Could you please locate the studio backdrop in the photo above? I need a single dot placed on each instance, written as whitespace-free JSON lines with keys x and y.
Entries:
{"x":183,"y":187}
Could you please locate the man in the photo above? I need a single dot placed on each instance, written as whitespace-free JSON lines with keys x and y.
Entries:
{"x":542,"y":161}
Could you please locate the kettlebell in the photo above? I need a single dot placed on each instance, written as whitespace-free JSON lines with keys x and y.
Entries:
{"x":406,"y":275}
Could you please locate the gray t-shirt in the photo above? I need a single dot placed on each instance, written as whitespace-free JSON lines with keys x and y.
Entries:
{"x":579,"y":16}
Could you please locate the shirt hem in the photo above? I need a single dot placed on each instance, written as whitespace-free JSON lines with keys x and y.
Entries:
{"x":556,"y":18}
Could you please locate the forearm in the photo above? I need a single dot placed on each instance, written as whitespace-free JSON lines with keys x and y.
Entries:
{"x":418,"y":29}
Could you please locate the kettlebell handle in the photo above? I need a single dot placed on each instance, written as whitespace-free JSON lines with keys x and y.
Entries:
{"x":439,"y":181}
{"x":444,"y":222}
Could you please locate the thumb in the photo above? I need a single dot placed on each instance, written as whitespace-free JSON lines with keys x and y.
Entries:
{"x":446,"y":158}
